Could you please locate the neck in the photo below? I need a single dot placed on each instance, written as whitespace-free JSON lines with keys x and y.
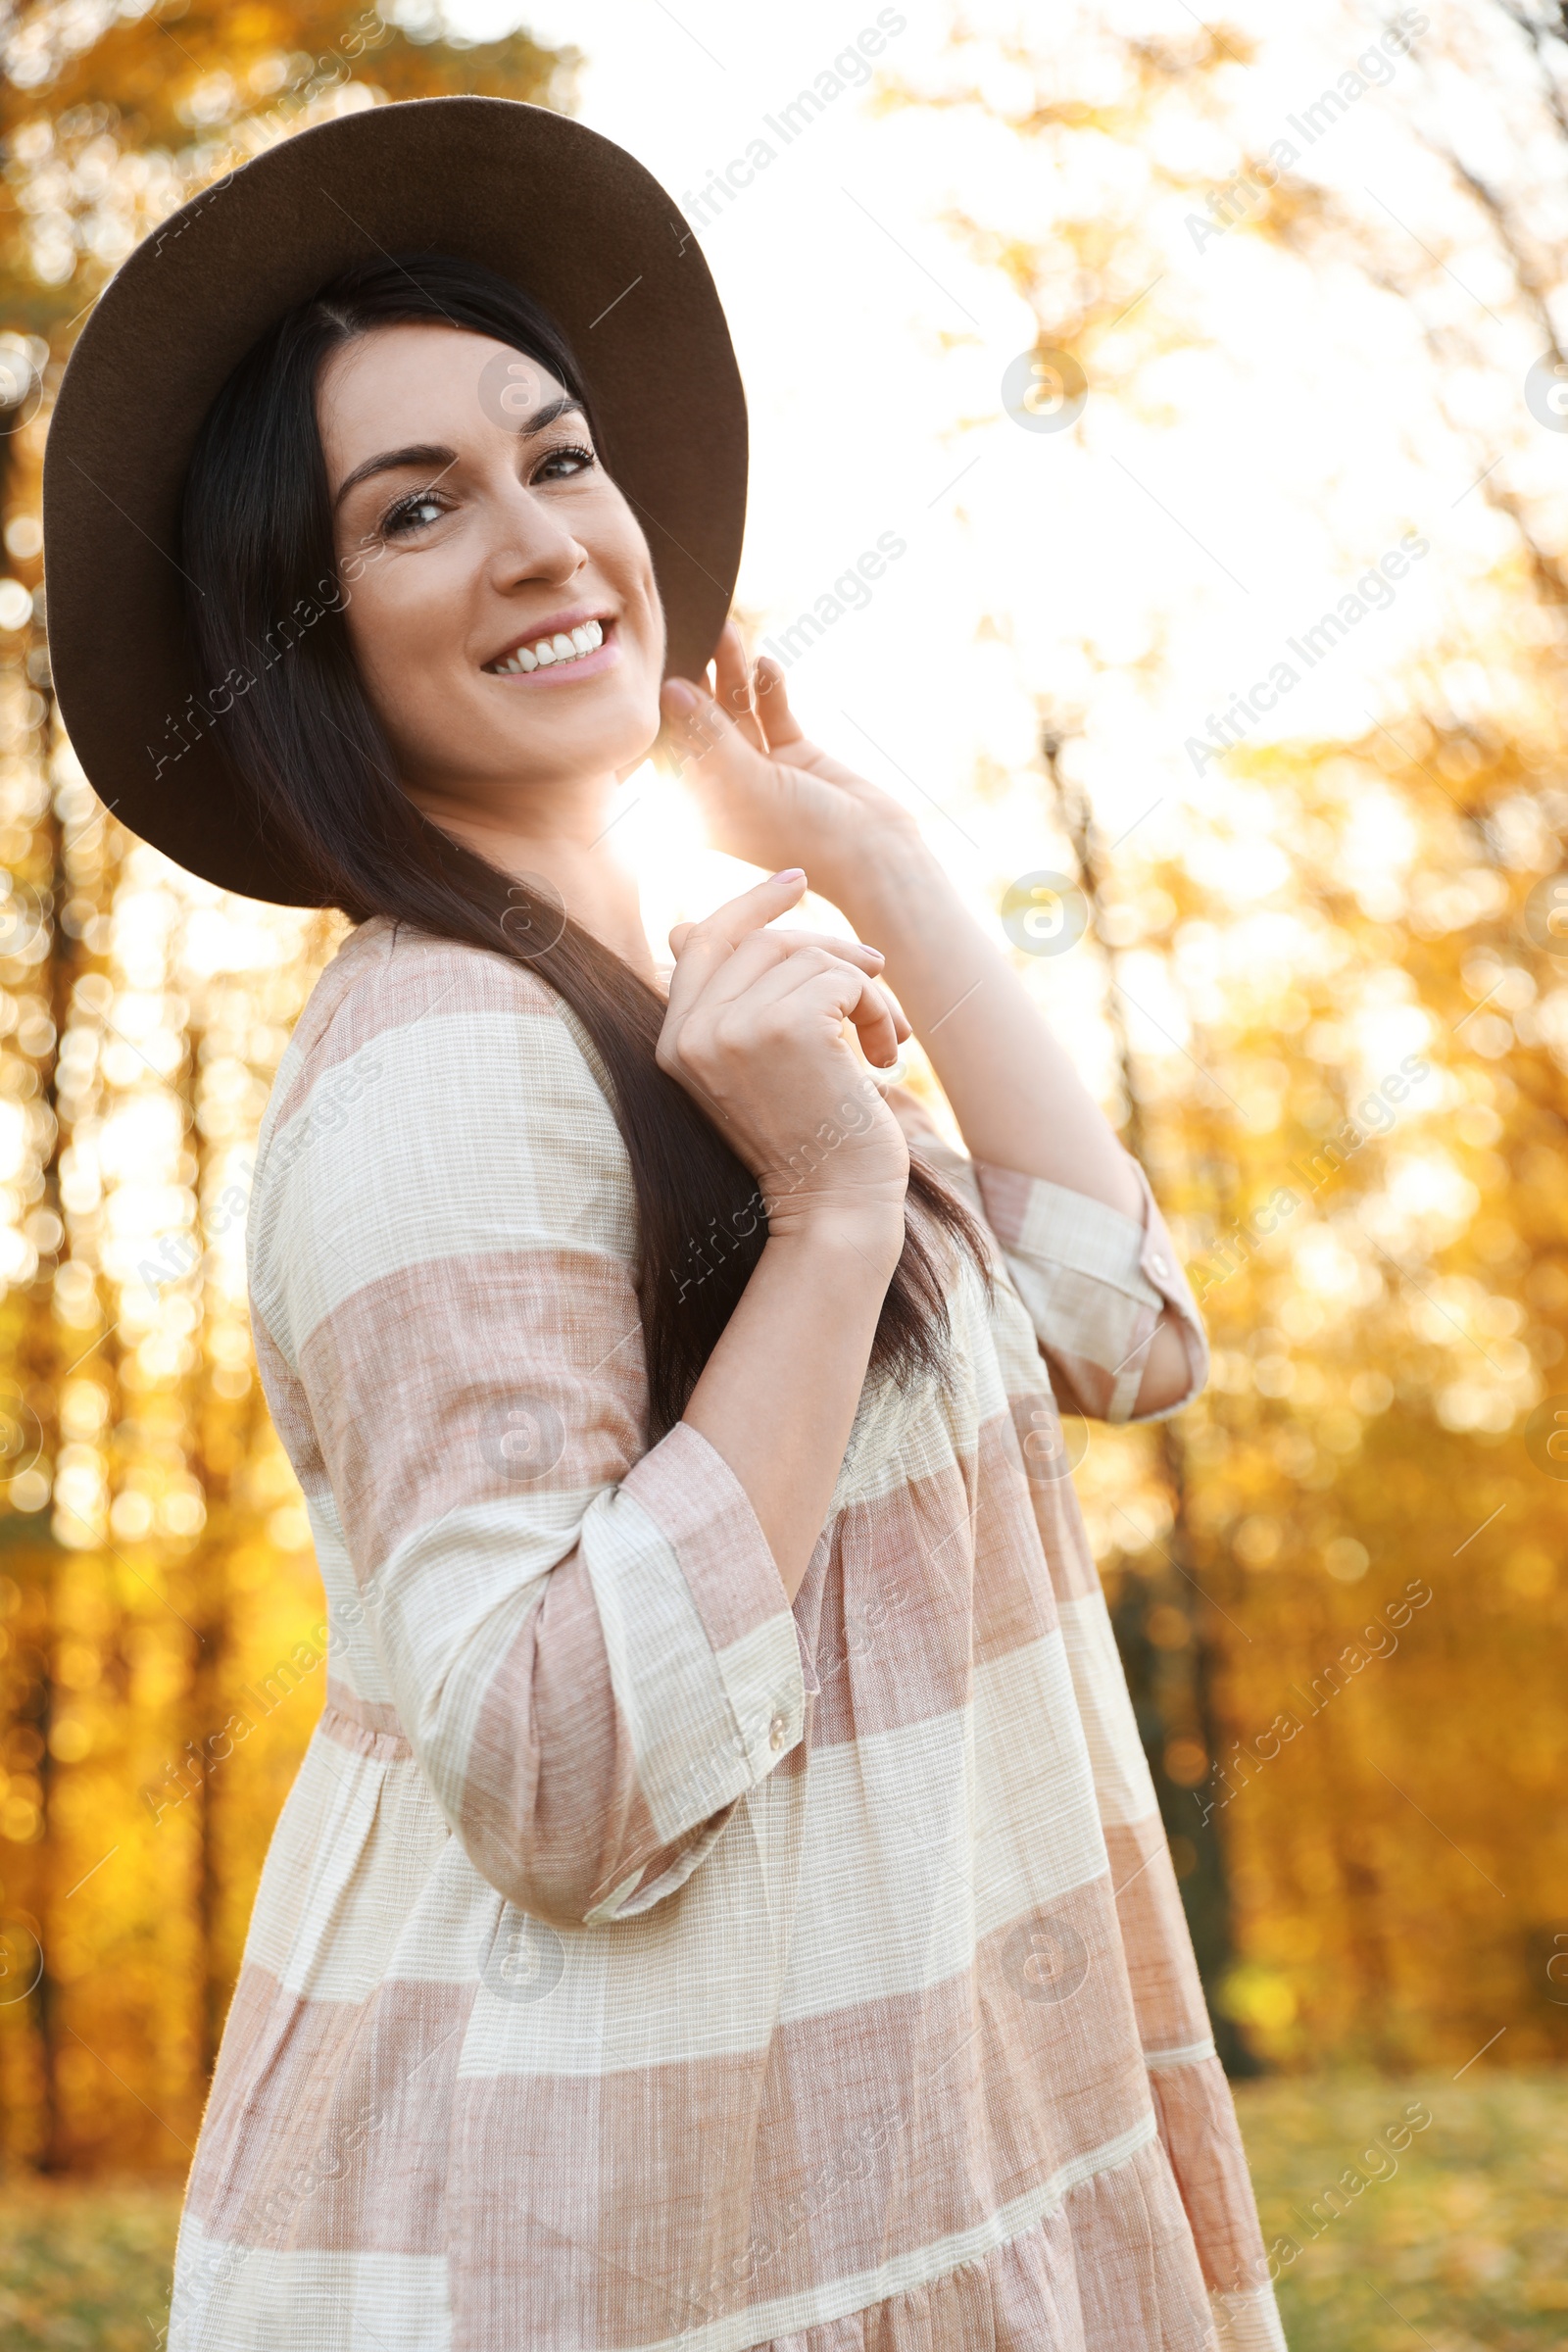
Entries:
{"x":565,"y":836}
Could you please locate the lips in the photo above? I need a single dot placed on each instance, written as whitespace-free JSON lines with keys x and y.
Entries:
{"x":568,"y":638}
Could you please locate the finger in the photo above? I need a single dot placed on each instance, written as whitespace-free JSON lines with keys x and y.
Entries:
{"x":770,"y":699}
{"x":869,"y":1008}
{"x":708,"y":945}
{"x":835,"y":987}
{"x":698,"y":727}
{"x":764,"y":951}
{"x":732,"y":685}
{"x":854,"y":951}
{"x":901,"y":1026}
{"x":879,"y":1025}
{"x":783,"y":942}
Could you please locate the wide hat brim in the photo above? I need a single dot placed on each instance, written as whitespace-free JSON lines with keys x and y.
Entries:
{"x":546,"y":204}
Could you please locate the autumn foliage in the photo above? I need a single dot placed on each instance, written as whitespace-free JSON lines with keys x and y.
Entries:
{"x":1336,"y":1582}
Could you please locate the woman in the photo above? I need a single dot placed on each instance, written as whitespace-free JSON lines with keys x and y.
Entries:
{"x":723,"y":1903}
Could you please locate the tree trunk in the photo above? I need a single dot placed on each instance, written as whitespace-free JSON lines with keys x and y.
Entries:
{"x":1172,"y":1693}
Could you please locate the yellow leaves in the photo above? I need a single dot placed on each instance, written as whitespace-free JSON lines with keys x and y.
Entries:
{"x":1340,"y":1430}
{"x":1186,"y":1762}
{"x":77,"y":1666}
{"x":1257,"y":1539}
{"x":21,"y":1818}
{"x":69,"y":1738}
{"x":1256,"y":1997}
{"x":1531,"y":1572}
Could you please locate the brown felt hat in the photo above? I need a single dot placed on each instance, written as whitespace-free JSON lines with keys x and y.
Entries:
{"x":567,"y":216}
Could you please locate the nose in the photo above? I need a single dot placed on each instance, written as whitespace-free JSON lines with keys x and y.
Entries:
{"x":530,"y":541}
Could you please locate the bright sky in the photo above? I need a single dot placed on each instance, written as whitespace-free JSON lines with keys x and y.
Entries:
{"x":1284,"y":443}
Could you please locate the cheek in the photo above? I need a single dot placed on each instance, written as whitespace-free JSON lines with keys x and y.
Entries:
{"x":397,"y":650}
{"x":398,"y":620}
{"x":620,"y":555}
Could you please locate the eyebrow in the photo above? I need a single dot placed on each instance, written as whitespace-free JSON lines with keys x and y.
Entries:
{"x":431,"y":453}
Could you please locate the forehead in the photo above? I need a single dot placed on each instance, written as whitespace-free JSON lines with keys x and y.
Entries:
{"x":422,"y":380}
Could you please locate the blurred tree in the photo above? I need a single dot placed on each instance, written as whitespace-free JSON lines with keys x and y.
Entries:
{"x":1082,"y":272}
{"x":1350,"y":1088}
{"x":1165,"y":1624}
{"x":159,"y":1610}
{"x":115,"y":113}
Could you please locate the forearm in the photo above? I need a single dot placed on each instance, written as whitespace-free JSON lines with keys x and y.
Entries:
{"x":1014,"y":1093}
{"x":779,"y":1393}
{"x":1017,"y":1098}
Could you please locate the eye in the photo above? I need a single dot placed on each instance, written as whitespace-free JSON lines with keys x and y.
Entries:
{"x":411,"y":515}
{"x":559,"y":464}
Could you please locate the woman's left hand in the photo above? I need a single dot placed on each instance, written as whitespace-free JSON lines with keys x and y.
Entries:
{"x":769,"y":795}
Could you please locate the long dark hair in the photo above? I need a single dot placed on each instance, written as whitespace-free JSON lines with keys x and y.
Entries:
{"x":257,"y":545}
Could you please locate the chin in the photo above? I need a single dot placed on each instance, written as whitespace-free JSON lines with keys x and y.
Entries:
{"x":590,"y":742}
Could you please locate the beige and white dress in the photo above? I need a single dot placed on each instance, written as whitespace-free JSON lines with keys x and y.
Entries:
{"x":640,"y":1964}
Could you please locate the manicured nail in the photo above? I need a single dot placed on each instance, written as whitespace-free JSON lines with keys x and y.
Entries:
{"x":678,"y":693}
{"x":791,"y":874}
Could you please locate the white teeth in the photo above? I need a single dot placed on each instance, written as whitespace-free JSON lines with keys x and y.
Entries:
{"x":586,"y":638}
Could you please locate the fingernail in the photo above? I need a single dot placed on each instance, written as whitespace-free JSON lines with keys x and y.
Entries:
{"x":677,"y":691}
{"x":877,"y":953}
{"x":791,"y":874}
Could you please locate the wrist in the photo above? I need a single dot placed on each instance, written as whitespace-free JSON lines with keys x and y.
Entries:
{"x":848,"y":1240}
{"x":890,"y":880}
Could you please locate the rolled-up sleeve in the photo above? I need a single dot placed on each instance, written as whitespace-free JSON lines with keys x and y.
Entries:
{"x":1096,"y":1284}
{"x":587,"y":1644}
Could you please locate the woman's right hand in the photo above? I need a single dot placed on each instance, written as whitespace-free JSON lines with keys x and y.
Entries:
{"x":755,"y":1033}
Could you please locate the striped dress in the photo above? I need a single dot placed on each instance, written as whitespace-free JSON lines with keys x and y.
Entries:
{"x":641,"y":1964}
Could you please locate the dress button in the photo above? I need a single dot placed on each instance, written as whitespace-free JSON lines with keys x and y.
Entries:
{"x":776,"y":1732}
{"x":1156,"y":1264}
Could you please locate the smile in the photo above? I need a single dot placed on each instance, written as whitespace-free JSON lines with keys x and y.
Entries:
{"x":550,"y":651}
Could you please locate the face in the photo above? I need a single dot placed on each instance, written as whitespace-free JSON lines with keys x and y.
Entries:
{"x":499,"y":593}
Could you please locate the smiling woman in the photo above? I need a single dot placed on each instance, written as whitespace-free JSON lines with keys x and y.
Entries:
{"x":724,"y":1903}
{"x":381,"y":432}
{"x":439,"y":510}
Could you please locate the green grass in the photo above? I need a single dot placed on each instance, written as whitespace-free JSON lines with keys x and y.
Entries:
{"x":84,"y":2265}
{"x":1463,"y":2247}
